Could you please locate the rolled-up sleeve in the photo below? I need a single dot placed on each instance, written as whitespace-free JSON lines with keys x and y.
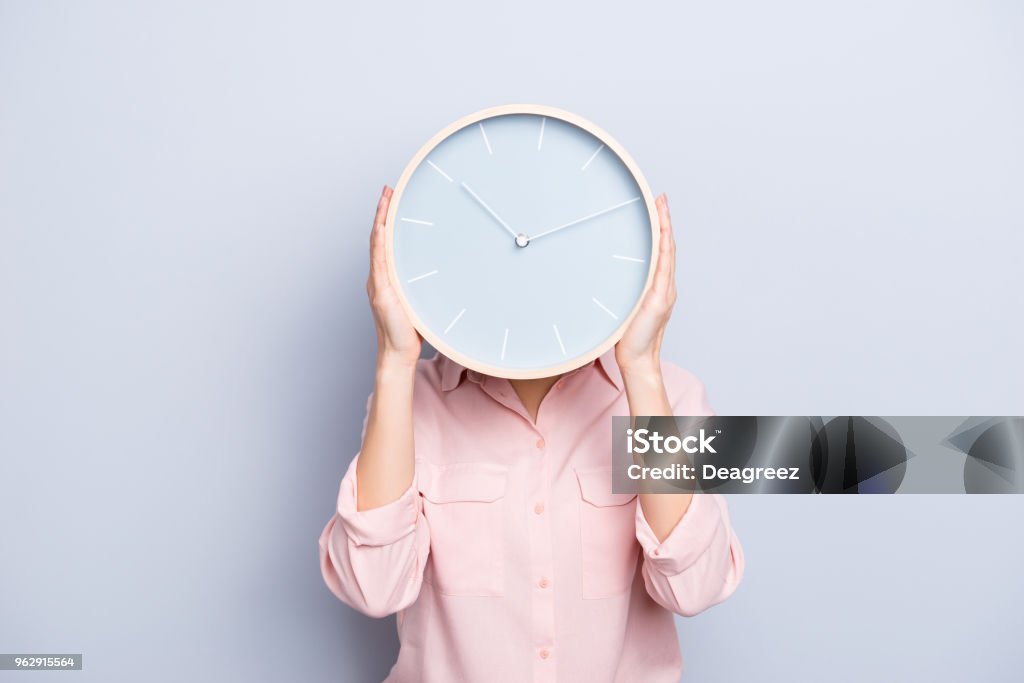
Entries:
{"x":700,"y":562}
{"x":373,"y":560}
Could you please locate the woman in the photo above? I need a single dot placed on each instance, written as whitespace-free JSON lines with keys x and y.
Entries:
{"x":481,"y":510}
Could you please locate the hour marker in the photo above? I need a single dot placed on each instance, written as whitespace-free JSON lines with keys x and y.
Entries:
{"x":486,"y":141}
{"x":592,"y":157}
{"x":540,"y":140}
{"x":504,"y":344}
{"x":628,"y":258}
{"x":416,"y":221}
{"x":438,"y":169}
{"x":454,"y":320}
{"x":420,"y":277}
{"x":559,"y":338}
{"x":604,"y":308}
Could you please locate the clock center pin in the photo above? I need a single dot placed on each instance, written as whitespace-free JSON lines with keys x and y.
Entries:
{"x":522,"y":240}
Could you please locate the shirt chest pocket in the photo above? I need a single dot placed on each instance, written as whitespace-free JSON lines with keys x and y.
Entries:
{"x":465,"y":511}
{"x":609,"y":549}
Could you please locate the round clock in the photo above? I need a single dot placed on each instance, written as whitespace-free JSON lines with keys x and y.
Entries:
{"x":521,"y":240}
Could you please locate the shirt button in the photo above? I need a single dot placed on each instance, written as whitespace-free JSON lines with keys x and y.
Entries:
{"x":544,"y":653}
{"x":538,"y":509}
{"x":540,"y":443}
{"x":543,"y":583}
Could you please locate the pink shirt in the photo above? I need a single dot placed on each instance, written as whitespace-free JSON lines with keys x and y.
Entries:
{"x":509,"y":558}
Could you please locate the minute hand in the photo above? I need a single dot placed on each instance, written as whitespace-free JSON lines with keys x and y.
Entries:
{"x":586,"y":218}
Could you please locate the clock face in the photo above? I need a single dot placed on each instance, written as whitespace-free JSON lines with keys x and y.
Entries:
{"x":521,"y":241}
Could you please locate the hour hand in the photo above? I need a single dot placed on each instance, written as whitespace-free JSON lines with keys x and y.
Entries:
{"x":488,"y":209}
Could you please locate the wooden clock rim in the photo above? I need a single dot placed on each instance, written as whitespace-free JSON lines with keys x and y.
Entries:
{"x":538,"y":110}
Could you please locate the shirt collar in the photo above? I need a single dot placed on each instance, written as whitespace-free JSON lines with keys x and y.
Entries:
{"x":452,"y":373}
{"x":610,"y":368}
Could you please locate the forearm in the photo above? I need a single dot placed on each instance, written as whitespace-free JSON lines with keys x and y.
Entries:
{"x":386,"y":461}
{"x":646,"y":394}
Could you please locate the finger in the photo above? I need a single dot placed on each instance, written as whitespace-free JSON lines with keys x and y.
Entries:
{"x":381,"y":215}
{"x":666,"y":221}
{"x":378,"y":262}
{"x":670,"y":249}
{"x":663,"y":274}
{"x":378,"y":259}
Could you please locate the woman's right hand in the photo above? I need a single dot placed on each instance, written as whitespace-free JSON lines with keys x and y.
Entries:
{"x":398,"y":342}
{"x":386,"y":467}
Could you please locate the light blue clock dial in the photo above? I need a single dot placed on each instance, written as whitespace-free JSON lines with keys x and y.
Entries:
{"x":522,"y":242}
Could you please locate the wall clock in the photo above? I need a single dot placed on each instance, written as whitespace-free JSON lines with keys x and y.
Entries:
{"x":521,"y":239}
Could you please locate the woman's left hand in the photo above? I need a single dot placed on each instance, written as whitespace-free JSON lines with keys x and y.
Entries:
{"x":639,"y":350}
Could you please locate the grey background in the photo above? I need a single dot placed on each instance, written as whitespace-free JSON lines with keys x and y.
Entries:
{"x":185,"y":351}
